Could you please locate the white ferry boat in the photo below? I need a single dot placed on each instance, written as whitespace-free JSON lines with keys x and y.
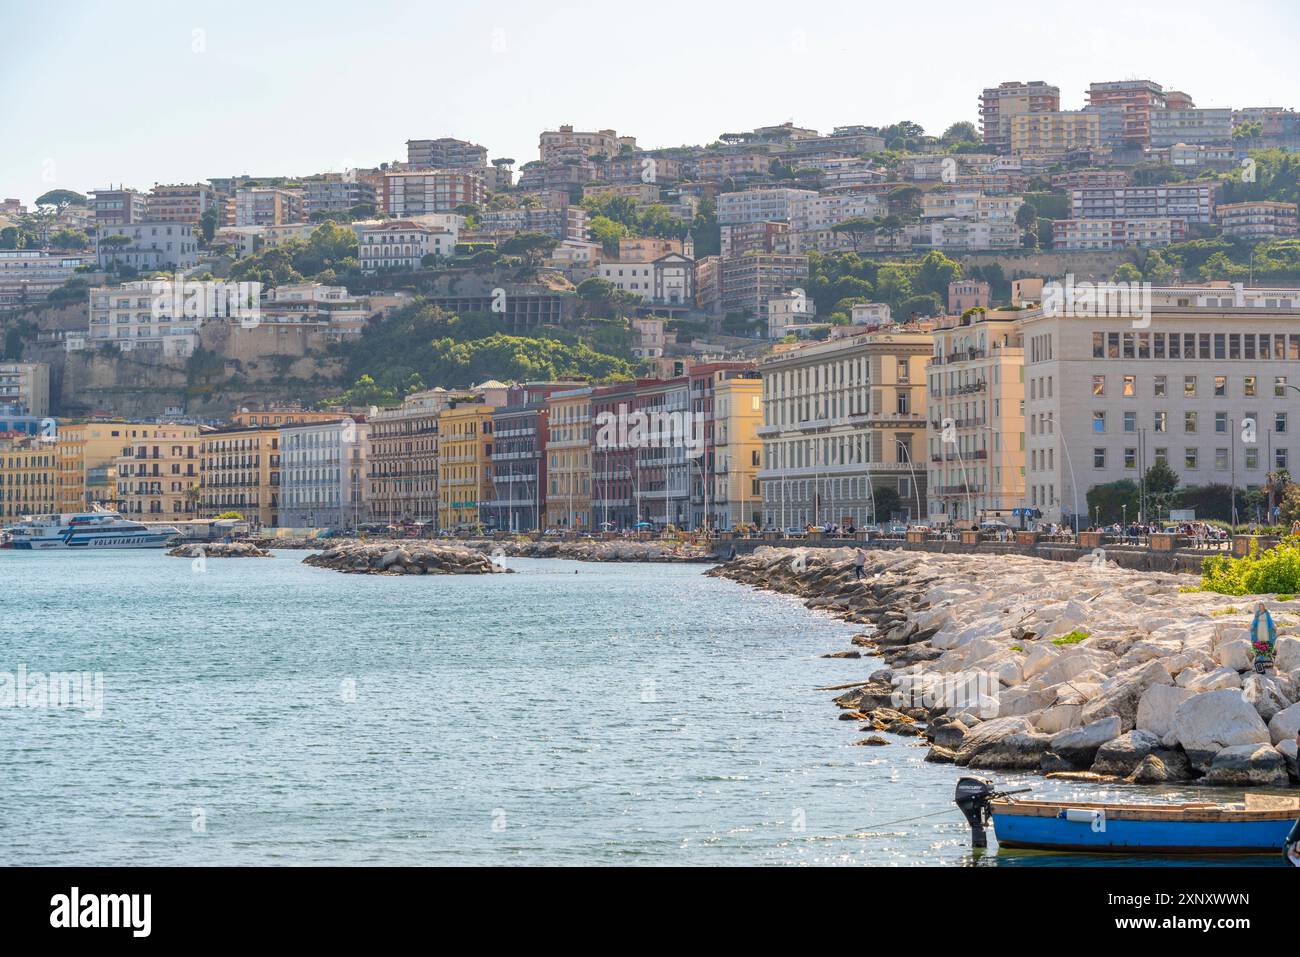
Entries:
{"x":100,"y":529}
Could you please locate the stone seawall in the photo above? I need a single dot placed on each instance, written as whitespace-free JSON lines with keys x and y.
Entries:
{"x":1082,"y":668}
{"x":1133,"y":557}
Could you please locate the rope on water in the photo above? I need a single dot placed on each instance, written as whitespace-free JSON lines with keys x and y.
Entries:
{"x":901,"y":820}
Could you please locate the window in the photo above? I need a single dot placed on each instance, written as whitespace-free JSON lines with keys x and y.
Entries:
{"x":1099,"y":385}
{"x":1159,"y":386}
{"x":1130,"y":386}
{"x":1279,"y":423}
{"x":1252,"y":457}
{"x":1221,"y":422}
{"x":1130,"y":458}
{"x":1248,"y":385}
{"x":1221,"y":460}
{"x":1099,"y":458}
{"x":1220,"y":385}
{"x":1130,"y":421}
{"x":1099,"y":422}
{"x":1279,"y":386}
{"x":1189,"y":458}
{"x":1189,"y":421}
{"x":1160,"y":421}
{"x":1189,"y":386}
{"x":1162,"y":456}
{"x":1279,"y":458}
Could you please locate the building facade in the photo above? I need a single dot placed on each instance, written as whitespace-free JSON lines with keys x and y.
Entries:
{"x":1206,"y":389}
{"x":975,"y":431}
{"x":844,"y":420}
{"x":323,"y":474}
{"x":239,"y":471}
{"x":465,"y":483}
{"x":28,"y":477}
{"x":158,"y":474}
{"x":568,"y":460}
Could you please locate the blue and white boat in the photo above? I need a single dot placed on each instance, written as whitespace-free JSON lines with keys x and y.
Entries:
{"x":98,"y":529}
{"x":1260,"y":824}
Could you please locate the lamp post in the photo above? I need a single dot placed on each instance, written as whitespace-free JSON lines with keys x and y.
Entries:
{"x":1074,"y":485}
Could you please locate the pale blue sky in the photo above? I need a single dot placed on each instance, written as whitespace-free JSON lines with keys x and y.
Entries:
{"x":99,"y":93}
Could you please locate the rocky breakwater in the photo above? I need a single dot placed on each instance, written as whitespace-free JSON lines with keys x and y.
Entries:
{"x":404,"y":558}
{"x":598,"y":551}
{"x":1075,"y":669}
{"x":220,"y":550}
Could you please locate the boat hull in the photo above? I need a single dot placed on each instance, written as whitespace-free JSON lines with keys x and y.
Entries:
{"x":142,"y":540}
{"x":1137,"y":830}
{"x":1246,"y":837}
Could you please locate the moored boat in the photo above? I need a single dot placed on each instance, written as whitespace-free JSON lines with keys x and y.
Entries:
{"x":1259,"y":824}
{"x":97,"y":529}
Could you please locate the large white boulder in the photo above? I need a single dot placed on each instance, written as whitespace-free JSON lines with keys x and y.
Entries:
{"x":1207,"y":723}
{"x":984,"y":736}
{"x":1121,"y":694}
{"x":1265,"y":693}
{"x":1285,"y":725}
{"x":1039,"y":657}
{"x":1058,"y":718}
{"x":1157,"y":705}
{"x":1234,"y":654}
{"x":1079,"y":745}
{"x":1248,"y":765}
{"x":1218,"y":680}
{"x":1287,"y":653}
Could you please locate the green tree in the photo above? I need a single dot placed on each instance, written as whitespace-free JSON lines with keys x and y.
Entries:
{"x":1113,"y":502}
{"x":532,"y":248}
{"x":856,"y":228}
{"x":1126,"y":272}
{"x":61,"y":198}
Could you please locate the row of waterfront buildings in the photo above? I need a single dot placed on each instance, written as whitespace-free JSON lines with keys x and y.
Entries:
{"x":951,"y":420}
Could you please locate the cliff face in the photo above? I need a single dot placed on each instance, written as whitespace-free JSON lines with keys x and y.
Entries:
{"x":252,"y":367}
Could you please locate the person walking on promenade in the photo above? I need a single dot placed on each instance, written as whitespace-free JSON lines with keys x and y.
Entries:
{"x":859,"y":563}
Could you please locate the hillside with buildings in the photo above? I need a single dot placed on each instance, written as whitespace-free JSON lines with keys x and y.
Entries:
{"x":869,"y":322}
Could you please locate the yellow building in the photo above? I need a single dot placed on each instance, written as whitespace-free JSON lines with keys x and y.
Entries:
{"x":28,"y":477}
{"x":158,"y":475}
{"x":738,"y":452}
{"x":1050,"y":135}
{"x":568,"y":460}
{"x":87,"y":455}
{"x":464,"y":462}
{"x":239,"y":471}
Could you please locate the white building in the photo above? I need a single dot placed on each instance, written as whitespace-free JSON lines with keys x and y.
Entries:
{"x":668,"y":280}
{"x":400,"y":244}
{"x":1206,"y":389}
{"x":123,"y":316}
{"x":151,"y":246}
{"x":323,"y":481}
{"x":759,"y":205}
{"x":791,"y":312}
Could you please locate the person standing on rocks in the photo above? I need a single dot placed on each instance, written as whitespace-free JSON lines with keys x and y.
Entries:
{"x":859,"y":563}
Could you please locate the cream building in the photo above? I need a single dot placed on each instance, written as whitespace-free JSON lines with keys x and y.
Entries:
{"x":568,"y":460}
{"x":843,"y":420}
{"x":1210,"y":390}
{"x":158,"y":474}
{"x":975,"y":435}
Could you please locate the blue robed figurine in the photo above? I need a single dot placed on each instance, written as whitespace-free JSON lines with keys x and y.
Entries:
{"x":1263,"y":638}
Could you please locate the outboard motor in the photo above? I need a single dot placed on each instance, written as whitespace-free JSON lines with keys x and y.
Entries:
{"x":973,"y":797}
{"x":1291,"y":847}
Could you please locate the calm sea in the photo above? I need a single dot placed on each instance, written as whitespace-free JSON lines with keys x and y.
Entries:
{"x":261,"y":711}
